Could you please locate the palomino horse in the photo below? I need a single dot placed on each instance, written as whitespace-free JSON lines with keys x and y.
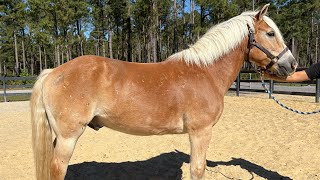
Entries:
{"x":184,"y":94}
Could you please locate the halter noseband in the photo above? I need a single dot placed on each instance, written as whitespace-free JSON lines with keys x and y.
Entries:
{"x":274,"y":59}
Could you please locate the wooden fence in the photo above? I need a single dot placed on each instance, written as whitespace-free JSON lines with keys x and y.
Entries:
{"x":288,"y":88}
{"x":16,"y":88}
{"x":24,"y":87}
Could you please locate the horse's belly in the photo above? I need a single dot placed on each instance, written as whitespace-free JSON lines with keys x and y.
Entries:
{"x":143,"y":127}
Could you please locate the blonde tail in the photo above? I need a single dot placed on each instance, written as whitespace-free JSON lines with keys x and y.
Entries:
{"x":41,"y":131}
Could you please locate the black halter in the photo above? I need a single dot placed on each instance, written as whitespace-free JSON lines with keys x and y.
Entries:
{"x":274,"y":59}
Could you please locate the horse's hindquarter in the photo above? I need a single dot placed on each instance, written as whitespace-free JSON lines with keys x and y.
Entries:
{"x":141,"y":99}
{"x":71,"y":93}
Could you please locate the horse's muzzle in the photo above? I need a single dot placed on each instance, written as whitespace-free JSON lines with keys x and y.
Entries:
{"x":286,"y":65}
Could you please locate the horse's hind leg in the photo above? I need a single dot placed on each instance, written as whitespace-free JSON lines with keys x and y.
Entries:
{"x":67,"y":136}
{"x":199,"y":140}
{"x":62,"y":153}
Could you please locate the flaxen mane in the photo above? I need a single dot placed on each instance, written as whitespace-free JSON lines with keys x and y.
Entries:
{"x":221,"y":39}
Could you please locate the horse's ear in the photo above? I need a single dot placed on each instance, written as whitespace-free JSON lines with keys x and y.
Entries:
{"x":262,"y":12}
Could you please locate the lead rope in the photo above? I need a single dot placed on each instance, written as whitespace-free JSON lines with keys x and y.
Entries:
{"x":282,"y":105}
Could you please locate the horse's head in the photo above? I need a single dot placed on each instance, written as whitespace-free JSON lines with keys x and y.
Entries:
{"x":267,"y":47}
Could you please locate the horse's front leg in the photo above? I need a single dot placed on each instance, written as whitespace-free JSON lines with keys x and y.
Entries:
{"x":199,"y":141}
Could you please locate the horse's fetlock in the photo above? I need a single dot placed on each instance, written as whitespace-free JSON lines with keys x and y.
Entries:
{"x":197,"y":173}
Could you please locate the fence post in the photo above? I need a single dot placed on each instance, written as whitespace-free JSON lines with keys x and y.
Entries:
{"x":4,"y":88}
{"x":238,"y":85}
{"x":271,"y":87}
{"x":317,"y":90}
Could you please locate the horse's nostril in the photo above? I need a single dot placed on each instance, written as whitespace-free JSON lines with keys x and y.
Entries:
{"x":294,"y":65}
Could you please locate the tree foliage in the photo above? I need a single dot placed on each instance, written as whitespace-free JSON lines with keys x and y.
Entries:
{"x":38,"y":34}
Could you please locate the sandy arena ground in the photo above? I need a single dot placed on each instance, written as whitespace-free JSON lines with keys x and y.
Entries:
{"x":254,"y":139}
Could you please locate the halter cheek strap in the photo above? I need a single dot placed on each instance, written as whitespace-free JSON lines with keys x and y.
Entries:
{"x":274,"y":59}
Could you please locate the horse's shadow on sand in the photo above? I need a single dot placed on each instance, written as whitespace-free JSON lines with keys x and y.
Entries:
{"x":165,"y":166}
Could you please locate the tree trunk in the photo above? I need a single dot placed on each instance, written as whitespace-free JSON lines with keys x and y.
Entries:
{"x":55,"y":56}
{"x":191,"y":20}
{"x":154,"y":32}
{"x":62,"y":57}
{"x":175,"y":38}
{"x":45,"y":59}
{"x":58,"y":55}
{"x":202,"y":16}
{"x":23,"y":56}
{"x":159,"y":41}
{"x":309,"y":59}
{"x":103,"y":49}
{"x":67,"y":54}
{"x":16,"y":68}
{"x":309,"y":49}
{"x":78,"y":24}
{"x":298,"y":56}
{"x":55,"y":62}
{"x":98,"y":47}
{"x":149,"y":51}
{"x":253,"y":6}
{"x":293,"y":47}
{"x":110,"y":44}
{"x":0,"y":68}
{"x":129,"y":45}
{"x":32,"y":63}
{"x":40,"y":59}
{"x":317,"y":39}
{"x":81,"y":47}
{"x":118,"y":51}
{"x":184,"y":24}
{"x":168,"y":45}
{"x":123,"y":38}
{"x":4,"y":68}
{"x":139,"y":50}
{"x":70,"y":54}
{"x":144,"y":45}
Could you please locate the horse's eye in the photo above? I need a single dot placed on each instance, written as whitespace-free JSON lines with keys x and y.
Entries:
{"x":271,"y":33}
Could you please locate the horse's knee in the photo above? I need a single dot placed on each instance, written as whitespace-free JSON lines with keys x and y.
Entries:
{"x":197,"y":172}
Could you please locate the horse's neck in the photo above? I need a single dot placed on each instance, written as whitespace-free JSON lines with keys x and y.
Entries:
{"x":225,"y":70}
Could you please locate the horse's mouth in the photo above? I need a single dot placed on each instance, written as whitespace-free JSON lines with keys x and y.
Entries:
{"x":279,"y":73}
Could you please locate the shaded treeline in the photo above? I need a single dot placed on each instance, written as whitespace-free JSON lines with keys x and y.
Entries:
{"x":38,"y":34}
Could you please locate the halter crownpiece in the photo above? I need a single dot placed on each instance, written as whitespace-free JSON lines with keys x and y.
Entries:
{"x":274,"y":59}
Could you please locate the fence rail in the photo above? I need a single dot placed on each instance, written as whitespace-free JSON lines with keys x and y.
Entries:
{"x":24,"y":88}
{"x":312,"y":87}
{"x":240,"y":85}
